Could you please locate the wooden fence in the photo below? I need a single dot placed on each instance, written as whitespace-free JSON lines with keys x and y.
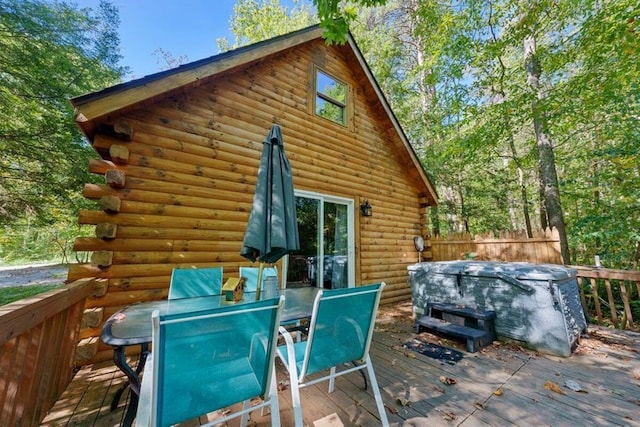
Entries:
{"x":610,"y":296}
{"x":544,"y":247}
{"x":38,"y":341}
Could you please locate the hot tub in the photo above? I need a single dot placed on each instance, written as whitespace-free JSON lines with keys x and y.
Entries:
{"x":537,"y":305}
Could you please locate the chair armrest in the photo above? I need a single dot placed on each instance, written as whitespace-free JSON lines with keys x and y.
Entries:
{"x":290,"y":362}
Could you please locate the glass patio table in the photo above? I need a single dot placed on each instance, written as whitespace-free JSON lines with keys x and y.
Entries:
{"x":131,"y":326}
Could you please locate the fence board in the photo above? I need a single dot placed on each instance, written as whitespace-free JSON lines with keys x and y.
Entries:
{"x":543,"y":248}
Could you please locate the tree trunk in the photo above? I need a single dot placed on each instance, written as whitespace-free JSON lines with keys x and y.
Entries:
{"x":525,"y":202}
{"x":544,"y":222}
{"x":521,"y":183}
{"x":463,"y":210}
{"x":435,"y":221}
{"x":546,"y":159}
{"x":512,"y":146}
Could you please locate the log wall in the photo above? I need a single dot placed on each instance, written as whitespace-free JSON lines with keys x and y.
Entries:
{"x":180,"y":174}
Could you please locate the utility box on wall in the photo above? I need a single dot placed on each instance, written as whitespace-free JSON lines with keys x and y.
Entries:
{"x":537,"y":305}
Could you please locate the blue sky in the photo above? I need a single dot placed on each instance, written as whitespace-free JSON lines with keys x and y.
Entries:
{"x":180,"y":27}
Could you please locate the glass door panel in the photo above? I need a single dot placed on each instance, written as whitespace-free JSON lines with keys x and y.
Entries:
{"x":336,"y":246}
{"x":301,"y":269}
{"x":326,"y":243}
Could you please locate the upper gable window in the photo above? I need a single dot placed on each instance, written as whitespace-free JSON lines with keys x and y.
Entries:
{"x":331,"y":98}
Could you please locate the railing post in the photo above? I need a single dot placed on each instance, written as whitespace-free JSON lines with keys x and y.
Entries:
{"x":611,"y":279}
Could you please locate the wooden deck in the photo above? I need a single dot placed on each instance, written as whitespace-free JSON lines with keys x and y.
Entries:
{"x":500,"y":385}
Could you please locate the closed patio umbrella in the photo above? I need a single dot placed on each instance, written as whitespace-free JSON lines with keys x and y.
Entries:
{"x":272,"y":230}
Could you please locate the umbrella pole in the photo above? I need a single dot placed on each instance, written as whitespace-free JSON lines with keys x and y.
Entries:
{"x":258,"y":286}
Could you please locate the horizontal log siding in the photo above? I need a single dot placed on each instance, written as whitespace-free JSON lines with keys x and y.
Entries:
{"x":192,"y":169}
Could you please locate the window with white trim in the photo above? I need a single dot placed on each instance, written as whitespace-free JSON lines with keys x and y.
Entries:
{"x":331,"y":98}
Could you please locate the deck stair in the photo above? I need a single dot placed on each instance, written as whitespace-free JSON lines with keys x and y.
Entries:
{"x":474,"y":326}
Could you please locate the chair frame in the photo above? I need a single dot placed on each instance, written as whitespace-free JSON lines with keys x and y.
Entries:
{"x":297,"y":379}
{"x":149,"y":396}
{"x":249,"y":286}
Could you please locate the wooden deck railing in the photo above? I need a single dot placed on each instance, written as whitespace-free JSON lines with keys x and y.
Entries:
{"x":38,"y":339}
{"x":610,"y":296}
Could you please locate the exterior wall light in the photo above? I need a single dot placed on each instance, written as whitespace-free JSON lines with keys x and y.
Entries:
{"x":366,"y":208}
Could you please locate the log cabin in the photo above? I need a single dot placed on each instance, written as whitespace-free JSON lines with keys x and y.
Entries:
{"x":179,"y":151}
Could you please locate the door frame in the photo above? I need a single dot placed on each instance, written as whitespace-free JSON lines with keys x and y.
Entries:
{"x":351,"y":264}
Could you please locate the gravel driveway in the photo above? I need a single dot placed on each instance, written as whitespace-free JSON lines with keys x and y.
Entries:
{"x":40,"y":274}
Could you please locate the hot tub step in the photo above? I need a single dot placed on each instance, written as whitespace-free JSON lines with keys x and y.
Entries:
{"x":465,"y":316}
{"x":475,"y":338}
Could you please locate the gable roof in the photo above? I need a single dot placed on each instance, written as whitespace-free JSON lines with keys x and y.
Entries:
{"x":93,"y":106}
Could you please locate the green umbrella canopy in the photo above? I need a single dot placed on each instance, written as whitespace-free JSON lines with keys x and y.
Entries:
{"x":272,"y":230}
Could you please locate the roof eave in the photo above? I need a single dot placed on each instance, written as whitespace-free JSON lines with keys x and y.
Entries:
{"x":99,"y":104}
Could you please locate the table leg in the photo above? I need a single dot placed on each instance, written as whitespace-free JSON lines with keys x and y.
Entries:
{"x":364,"y":378}
{"x":131,"y":410}
{"x":134,"y":380}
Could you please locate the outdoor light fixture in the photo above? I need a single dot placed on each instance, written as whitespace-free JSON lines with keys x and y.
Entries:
{"x":365,"y":208}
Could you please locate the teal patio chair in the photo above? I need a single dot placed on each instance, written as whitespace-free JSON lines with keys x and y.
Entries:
{"x":251,"y":276}
{"x":251,"y":283}
{"x":197,"y":366}
{"x":195,"y":282}
{"x":340,"y":332}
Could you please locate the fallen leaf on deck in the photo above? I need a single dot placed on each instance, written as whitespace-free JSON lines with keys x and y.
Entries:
{"x":550,"y":385}
{"x":480,"y":405}
{"x":403,"y":401}
{"x":394,"y":411}
{"x":573,"y":385}
{"x":447,"y":380}
{"x":449,"y":416}
{"x":499,"y":392}
{"x":441,"y":390}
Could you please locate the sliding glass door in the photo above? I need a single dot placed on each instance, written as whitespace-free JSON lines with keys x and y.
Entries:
{"x":326,"y":255}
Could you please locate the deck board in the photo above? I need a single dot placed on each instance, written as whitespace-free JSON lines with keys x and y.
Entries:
{"x":606,"y":365}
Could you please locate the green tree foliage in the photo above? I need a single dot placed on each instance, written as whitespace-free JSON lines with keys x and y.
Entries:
{"x":598,"y":117}
{"x":49,"y":52}
{"x":337,"y":16}
{"x":257,"y":20}
{"x":454,"y":72}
